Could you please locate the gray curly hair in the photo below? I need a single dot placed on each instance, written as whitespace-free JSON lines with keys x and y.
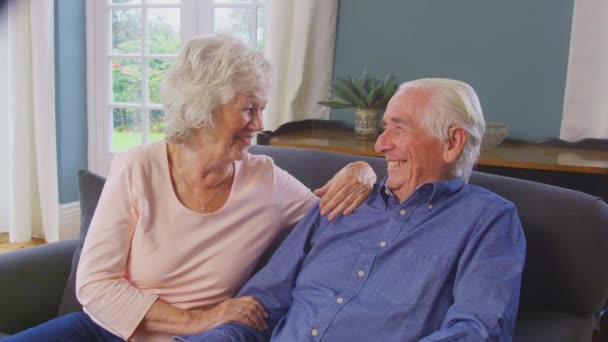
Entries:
{"x":210,"y":71}
{"x":453,"y":103}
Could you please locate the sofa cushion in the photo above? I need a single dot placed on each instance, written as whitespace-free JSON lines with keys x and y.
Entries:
{"x":90,"y":186}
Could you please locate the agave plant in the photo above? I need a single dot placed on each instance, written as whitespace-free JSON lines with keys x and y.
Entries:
{"x":363,"y":92}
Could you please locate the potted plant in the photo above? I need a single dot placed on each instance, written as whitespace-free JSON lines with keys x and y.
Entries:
{"x":368,"y":95}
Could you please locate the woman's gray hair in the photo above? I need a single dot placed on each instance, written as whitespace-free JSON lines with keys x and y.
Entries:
{"x":453,"y":103}
{"x":210,"y":71}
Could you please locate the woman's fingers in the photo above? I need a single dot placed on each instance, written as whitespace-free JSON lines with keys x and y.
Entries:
{"x":248,"y":312}
{"x":251,"y":312}
{"x":344,"y":200}
{"x":259,"y":307}
{"x":252,"y":317}
{"x":346,"y":190}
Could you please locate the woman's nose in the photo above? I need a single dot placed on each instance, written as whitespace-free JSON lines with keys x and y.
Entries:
{"x":257,"y":122}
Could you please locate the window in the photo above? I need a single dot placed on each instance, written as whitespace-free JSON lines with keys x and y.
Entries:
{"x":134,"y":43}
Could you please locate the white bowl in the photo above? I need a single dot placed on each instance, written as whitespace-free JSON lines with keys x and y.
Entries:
{"x":495,"y":133}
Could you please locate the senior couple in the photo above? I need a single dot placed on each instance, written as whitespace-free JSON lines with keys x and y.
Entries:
{"x":420,"y":256}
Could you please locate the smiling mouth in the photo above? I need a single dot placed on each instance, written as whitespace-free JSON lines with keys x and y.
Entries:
{"x":395,"y":163}
{"x":246,"y":140}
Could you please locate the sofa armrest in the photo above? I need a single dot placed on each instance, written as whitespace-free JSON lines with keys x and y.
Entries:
{"x":555,"y":326}
{"x":31,"y":284}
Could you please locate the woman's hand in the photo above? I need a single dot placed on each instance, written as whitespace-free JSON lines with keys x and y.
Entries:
{"x":246,"y":310}
{"x":346,"y":190}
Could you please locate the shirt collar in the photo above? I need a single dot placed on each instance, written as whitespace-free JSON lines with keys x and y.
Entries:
{"x":432,"y":192}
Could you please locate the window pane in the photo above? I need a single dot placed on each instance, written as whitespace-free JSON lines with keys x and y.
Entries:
{"x":156,"y":72}
{"x":260,"y":29}
{"x":163,"y":28}
{"x":126,"y":132}
{"x":126,"y":30}
{"x":162,"y":2}
{"x":157,"y":125}
{"x":126,"y":80}
{"x":126,"y":2}
{"x":233,"y":20}
{"x":232,"y":1}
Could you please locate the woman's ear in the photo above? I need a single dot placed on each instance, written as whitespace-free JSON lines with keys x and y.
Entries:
{"x":457,"y":136}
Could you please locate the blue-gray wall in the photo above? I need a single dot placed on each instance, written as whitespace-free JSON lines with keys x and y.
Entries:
{"x":514,"y":53}
{"x":70,"y":95}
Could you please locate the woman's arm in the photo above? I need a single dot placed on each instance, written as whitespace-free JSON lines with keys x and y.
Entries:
{"x":101,"y":287}
{"x":346,"y":190}
{"x":342,"y":194}
{"x":167,"y":318}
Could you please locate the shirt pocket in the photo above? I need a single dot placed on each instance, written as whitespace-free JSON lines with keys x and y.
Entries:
{"x":411,"y":278}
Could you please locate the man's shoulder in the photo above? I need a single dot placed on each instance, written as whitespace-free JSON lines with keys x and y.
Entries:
{"x":483,"y":195}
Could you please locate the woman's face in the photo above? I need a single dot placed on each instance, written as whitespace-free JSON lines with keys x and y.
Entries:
{"x":237,"y":122}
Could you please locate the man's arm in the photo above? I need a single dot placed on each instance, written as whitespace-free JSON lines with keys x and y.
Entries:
{"x":271,"y":286}
{"x":488,"y":279}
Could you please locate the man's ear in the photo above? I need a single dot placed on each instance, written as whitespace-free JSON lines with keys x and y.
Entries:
{"x":457,"y":136}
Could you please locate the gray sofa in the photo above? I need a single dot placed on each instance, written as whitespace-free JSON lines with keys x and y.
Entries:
{"x":565,"y":279}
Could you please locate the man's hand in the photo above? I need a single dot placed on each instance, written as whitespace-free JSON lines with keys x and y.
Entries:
{"x":346,"y":190}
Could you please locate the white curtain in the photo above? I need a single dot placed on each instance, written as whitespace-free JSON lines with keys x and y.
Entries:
{"x":299,"y":42}
{"x":33,"y":193}
{"x":586,"y":97}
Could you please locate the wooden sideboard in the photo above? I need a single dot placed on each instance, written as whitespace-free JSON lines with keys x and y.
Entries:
{"x":576,"y":168}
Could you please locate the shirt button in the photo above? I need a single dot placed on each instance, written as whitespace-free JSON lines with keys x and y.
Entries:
{"x":314,"y":332}
{"x":430,"y":206}
{"x":340,"y":300}
{"x":382,"y":244}
{"x":360,"y":273}
{"x":386,"y":192}
{"x":402,"y":212}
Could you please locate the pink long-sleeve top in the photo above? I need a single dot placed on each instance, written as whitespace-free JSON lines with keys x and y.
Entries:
{"x":144,"y":244}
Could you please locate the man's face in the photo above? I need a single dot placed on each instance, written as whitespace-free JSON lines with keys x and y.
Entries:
{"x":414,"y":157}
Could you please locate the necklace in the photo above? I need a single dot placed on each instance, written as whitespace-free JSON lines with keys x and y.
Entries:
{"x":217,"y":188}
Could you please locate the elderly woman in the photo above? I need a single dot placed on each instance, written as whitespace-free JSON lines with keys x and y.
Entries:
{"x":181,"y":223}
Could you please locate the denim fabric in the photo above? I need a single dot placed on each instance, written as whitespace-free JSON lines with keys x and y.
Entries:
{"x":69,"y":328}
{"x":444,"y":265}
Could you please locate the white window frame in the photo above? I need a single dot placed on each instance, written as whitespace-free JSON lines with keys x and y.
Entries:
{"x":196,"y":18}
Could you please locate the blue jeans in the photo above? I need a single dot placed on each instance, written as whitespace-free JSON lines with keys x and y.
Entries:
{"x":69,"y":328}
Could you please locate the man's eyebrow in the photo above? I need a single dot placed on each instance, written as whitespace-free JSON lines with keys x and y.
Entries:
{"x":398,"y":120}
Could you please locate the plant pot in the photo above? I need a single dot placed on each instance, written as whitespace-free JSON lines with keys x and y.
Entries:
{"x":366,"y":123}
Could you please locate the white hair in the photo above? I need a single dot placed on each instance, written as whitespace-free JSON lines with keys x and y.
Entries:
{"x":453,"y":103}
{"x":210,"y":71}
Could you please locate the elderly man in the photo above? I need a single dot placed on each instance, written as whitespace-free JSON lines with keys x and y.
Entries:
{"x":426,"y":258}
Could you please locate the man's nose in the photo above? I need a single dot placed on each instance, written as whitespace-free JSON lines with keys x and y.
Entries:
{"x":384,"y":142}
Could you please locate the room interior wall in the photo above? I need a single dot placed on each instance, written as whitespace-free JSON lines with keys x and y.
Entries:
{"x":70,"y":95}
{"x":514,"y":53}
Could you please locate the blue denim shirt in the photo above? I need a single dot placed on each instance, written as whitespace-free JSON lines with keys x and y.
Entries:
{"x":444,"y":265}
